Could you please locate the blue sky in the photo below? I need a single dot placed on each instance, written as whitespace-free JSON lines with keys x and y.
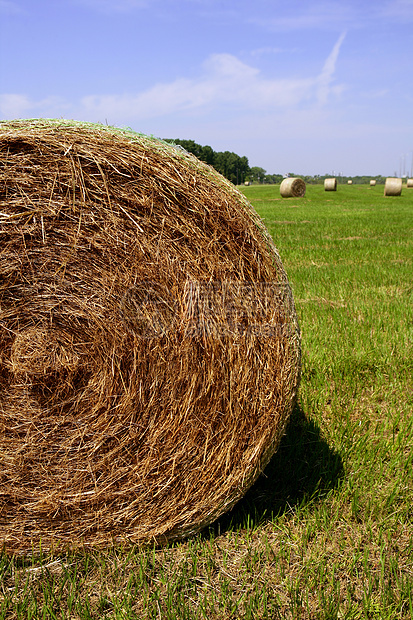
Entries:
{"x":310,"y":87}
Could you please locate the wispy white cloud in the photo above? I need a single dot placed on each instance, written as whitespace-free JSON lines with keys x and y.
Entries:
{"x":311,"y":16}
{"x":225,"y":80}
{"x":114,"y":6}
{"x":8,"y":7}
{"x":14,"y":105}
{"x":398,"y":9}
{"x":263,"y":51}
{"x":376,"y":94}
{"x":335,"y":15}
{"x":204,"y":5}
{"x":225,"y":83}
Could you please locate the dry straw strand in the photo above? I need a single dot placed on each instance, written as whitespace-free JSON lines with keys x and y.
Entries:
{"x":393,"y":186}
{"x":149,"y":344}
{"x":292,"y":187}
{"x":330,"y":185}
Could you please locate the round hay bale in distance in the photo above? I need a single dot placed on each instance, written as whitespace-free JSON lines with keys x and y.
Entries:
{"x":330,"y":185}
{"x":372,"y":182}
{"x":292,"y":187}
{"x":393,"y":186}
{"x":409,"y":183}
{"x":349,"y":182}
{"x":149,"y":344}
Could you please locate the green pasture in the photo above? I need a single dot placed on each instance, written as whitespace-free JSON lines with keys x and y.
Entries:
{"x":327,"y":531}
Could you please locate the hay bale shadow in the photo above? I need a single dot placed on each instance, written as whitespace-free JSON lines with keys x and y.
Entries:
{"x":304,"y":468}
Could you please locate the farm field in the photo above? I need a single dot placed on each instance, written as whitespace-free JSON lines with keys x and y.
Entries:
{"x":327,"y":531}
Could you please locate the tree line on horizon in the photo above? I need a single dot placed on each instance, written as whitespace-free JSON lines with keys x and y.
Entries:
{"x":236,"y":168}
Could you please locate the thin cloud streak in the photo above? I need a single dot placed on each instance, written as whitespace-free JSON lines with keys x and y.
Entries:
{"x":262,"y":51}
{"x":328,"y":71}
{"x":339,"y":15}
{"x":7,"y":7}
{"x":317,"y":16}
{"x":114,"y":6}
{"x":399,"y":10}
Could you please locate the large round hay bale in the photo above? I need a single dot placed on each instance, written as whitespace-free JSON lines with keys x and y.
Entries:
{"x":292,"y":187}
{"x":372,"y":182}
{"x":409,"y":183}
{"x":330,"y":185}
{"x":349,"y":182}
{"x":149,"y":345}
{"x":393,"y":186}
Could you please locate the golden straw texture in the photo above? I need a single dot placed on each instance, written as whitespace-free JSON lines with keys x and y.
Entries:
{"x":149,"y":345}
{"x":393,"y":186}
{"x":293,"y":187}
{"x":330,"y":185}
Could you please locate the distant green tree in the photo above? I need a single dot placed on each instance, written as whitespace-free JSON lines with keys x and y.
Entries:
{"x":189,"y":145}
{"x":224,"y":162}
{"x":257,"y":174}
{"x":237,"y":169}
{"x":273,"y":178}
{"x":207,"y":155}
{"x":230,"y":165}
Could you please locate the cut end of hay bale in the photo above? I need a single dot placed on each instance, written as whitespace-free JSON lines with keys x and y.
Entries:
{"x":393,"y":186}
{"x":292,"y":187}
{"x":330,"y":185}
{"x":149,"y":345}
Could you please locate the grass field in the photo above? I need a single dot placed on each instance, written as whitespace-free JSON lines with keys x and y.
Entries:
{"x":327,"y":531}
